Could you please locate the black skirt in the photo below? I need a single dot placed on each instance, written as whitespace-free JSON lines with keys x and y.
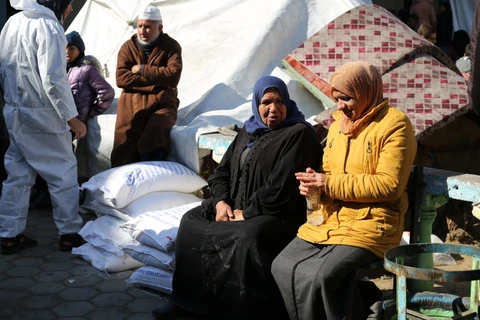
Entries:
{"x":223,"y":268}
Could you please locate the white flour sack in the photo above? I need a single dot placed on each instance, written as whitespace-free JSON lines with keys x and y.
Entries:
{"x":154,"y":201}
{"x":104,"y":260}
{"x":152,"y":278}
{"x":150,"y":256}
{"x":120,"y":186}
{"x":106,"y":232}
{"x":158,"y":229}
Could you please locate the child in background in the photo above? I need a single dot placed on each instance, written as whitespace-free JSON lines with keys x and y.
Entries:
{"x":428,"y":32}
{"x":91,"y":92}
{"x":463,"y":64}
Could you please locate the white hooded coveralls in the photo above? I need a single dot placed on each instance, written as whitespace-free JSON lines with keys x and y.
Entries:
{"x":38,"y":104}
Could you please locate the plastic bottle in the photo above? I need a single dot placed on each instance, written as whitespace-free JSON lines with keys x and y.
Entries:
{"x":314,"y":214}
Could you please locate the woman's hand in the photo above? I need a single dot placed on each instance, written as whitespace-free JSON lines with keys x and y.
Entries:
{"x":238,"y":215}
{"x":223,"y":211}
{"x":310,"y":180}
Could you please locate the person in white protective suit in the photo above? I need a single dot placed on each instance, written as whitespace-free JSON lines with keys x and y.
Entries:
{"x":39,"y":112}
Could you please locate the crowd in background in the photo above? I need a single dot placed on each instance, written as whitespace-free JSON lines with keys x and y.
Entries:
{"x":436,"y":26}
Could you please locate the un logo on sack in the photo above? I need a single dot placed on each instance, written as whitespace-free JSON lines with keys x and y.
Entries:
{"x":133,"y":177}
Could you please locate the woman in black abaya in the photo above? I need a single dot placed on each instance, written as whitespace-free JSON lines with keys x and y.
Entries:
{"x":225,"y":247}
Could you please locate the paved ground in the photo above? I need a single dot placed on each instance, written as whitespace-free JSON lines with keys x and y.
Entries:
{"x":44,"y":283}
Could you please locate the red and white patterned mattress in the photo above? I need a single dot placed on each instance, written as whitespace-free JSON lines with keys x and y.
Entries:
{"x":418,"y":77}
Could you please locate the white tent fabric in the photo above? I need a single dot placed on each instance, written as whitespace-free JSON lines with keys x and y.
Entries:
{"x":227,"y":45}
{"x":462,"y":11}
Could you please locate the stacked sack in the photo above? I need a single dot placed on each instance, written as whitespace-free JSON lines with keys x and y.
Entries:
{"x":155,"y":234}
{"x":139,"y":207}
{"x":130,"y":190}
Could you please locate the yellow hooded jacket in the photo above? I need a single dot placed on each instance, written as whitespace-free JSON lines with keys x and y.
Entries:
{"x":365,"y":196}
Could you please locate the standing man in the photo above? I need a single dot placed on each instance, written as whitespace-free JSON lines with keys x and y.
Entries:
{"x":149,"y":66}
{"x":39,"y":112}
{"x":425,"y":12}
{"x":444,"y":25}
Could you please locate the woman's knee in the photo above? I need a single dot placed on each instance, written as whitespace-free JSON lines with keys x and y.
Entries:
{"x":280,"y":269}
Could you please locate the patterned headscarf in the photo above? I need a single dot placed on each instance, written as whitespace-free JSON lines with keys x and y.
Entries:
{"x":255,"y":125}
{"x":361,"y":81}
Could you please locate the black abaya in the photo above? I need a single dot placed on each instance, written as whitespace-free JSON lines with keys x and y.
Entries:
{"x":223,"y":268}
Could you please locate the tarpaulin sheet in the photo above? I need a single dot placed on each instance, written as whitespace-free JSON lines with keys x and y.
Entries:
{"x":227,"y":45}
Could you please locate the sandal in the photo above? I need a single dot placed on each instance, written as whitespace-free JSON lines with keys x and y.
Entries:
{"x":13,"y":245}
{"x":69,"y":241}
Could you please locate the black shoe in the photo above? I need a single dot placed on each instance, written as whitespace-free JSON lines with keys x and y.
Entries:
{"x":13,"y":245}
{"x":170,"y":311}
{"x":69,"y":241}
{"x":163,"y":310}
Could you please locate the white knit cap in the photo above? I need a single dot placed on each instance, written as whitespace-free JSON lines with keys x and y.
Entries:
{"x":150,"y":13}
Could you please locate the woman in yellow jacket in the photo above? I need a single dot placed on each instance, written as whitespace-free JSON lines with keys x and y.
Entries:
{"x":367,"y":160}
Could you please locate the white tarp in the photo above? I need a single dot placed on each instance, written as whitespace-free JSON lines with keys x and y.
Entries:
{"x":227,"y":45}
{"x":462,"y":11}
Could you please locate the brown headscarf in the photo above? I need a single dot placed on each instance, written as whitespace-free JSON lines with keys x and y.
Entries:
{"x":362,"y":82}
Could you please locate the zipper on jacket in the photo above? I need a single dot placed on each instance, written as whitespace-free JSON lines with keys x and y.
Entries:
{"x":370,"y":158}
{"x":369,"y":147}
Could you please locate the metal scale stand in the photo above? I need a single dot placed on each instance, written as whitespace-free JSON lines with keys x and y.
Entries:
{"x":394,"y":262}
